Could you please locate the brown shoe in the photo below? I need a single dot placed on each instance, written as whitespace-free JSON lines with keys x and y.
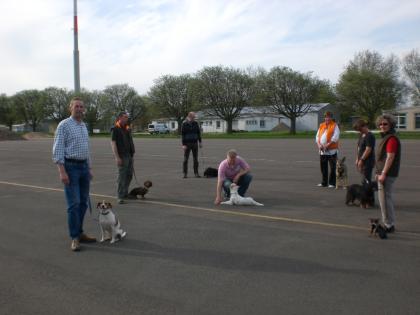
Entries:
{"x":86,"y":239}
{"x":75,"y":246}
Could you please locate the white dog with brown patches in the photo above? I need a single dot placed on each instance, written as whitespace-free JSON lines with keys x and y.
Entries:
{"x":109,"y":223}
{"x":236,"y":199}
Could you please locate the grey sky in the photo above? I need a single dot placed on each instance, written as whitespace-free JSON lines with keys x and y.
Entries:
{"x":135,"y":42}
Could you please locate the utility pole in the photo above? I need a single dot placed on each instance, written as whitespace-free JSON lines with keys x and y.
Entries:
{"x":76,"y":52}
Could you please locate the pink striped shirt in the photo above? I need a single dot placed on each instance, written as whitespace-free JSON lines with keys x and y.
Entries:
{"x":229,"y":172}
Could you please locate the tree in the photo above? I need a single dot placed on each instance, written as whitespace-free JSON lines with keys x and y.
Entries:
{"x":8,"y":115}
{"x":173,"y":95}
{"x":290,"y":93}
{"x":224,"y":92}
{"x":57,"y":102}
{"x":94,"y":107}
{"x":411,"y":67}
{"x":121,"y":97}
{"x":369,"y":85}
{"x":30,"y":106}
{"x":326,"y":93}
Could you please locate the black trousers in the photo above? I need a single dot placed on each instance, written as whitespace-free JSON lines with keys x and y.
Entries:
{"x":367,"y":171}
{"x":324,"y":161}
{"x":194,"y":148}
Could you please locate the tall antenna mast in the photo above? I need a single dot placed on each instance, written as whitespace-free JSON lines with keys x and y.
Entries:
{"x":76,"y":52}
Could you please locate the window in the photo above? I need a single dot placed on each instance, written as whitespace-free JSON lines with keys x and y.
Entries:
{"x":401,"y":121}
{"x":417,"y":122}
{"x":262,"y":123}
{"x":217,"y":124}
{"x":172,"y":125}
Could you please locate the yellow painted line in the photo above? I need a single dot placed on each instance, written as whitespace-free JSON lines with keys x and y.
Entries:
{"x":259,"y":216}
{"x":234,"y":213}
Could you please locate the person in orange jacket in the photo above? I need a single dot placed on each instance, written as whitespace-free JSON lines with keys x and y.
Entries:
{"x":327,"y":142}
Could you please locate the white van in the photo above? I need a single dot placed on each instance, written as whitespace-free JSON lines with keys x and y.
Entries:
{"x":157,"y":128}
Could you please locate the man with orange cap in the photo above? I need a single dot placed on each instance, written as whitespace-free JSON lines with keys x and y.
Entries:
{"x":327,"y":141}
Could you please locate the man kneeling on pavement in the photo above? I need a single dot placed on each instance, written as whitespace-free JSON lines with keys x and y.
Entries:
{"x":233,"y":169}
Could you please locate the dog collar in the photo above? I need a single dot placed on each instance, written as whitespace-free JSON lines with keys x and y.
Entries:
{"x":105,"y":213}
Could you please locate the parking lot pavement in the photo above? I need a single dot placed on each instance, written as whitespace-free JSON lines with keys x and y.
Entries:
{"x":304,"y":252}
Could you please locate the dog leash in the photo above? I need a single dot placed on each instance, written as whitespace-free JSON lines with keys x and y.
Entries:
{"x":90,"y":205}
{"x":202,"y":159}
{"x":134,"y":174}
{"x":90,"y":209}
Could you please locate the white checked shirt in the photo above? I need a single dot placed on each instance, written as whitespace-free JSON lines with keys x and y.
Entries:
{"x":71,"y":141}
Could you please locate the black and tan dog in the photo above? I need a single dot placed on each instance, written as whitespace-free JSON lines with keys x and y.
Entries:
{"x":376,"y":229}
{"x":140,"y":191}
{"x":364,"y":193}
{"x":341,"y":174}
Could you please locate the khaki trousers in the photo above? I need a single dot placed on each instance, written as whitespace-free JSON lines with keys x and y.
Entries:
{"x":386,"y":201}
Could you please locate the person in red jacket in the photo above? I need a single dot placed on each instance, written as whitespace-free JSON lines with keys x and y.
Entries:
{"x":388,"y":156}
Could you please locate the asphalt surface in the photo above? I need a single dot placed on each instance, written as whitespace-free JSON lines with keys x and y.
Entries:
{"x":304,"y":252}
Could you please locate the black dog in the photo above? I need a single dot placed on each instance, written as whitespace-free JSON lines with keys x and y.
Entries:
{"x":376,"y":229}
{"x":140,"y":191}
{"x":365,"y":193}
{"x":210,"y":172}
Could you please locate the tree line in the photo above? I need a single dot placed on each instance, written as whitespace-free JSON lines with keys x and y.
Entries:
{"x":369,"y":84}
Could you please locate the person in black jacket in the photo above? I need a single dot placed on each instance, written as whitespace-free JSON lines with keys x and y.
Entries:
{"x":123,"y":149}
{"x":191,"y":139}
{"x":365,"y":155}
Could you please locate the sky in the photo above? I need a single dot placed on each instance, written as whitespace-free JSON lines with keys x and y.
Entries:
{"x":137,"y":41}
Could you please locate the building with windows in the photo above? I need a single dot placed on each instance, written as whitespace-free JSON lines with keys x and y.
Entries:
{"x":250,"y":119}
{"x":258,"y":119}
{"x":408,"y":119}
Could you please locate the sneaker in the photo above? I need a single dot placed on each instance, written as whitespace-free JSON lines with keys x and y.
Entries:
{"x":197,"y":175}
{"x":75,"y":246}
{"x":331,"y":186}
{"x":86,"y":239}
{"x":121,"y":201}
{"x":321,"y":185}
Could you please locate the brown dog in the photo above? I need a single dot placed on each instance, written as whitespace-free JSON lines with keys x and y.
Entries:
{"x":140,"y":191}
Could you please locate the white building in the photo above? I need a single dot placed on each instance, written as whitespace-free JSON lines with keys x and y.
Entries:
{"x":314,"y":117}
{"x":250,"y":119}
{"x":257,"y":119}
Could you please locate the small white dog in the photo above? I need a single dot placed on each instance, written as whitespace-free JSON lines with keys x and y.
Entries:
{"x":236,"y":199}
{"x":109,"y":223}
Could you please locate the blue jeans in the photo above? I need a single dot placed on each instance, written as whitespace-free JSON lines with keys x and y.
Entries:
{"x":243,"y":184}
{"x":77,"y":196}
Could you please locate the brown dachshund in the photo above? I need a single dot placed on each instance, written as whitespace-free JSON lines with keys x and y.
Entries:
{"x":140,"y":191}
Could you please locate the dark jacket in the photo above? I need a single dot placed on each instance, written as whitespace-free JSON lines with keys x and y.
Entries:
{"x":124,"y":141}
{"x":381,"y":156}
{"x":191,"y":133}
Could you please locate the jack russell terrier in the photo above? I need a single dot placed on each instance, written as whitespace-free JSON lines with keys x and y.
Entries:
{"x":109,"y":223}
{"x":236,"y":199}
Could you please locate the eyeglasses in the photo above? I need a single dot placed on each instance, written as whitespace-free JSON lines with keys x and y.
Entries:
{"x":383,"y":124}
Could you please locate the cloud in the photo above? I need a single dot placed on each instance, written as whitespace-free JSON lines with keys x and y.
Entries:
{"x":135,"y":41}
